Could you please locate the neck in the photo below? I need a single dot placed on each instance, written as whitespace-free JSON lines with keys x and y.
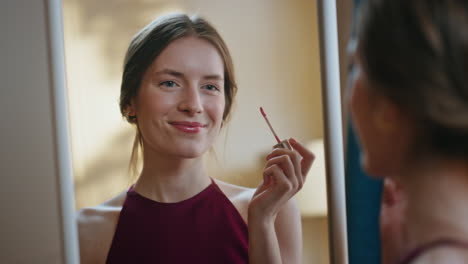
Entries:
{"x":437,"y":193}
{"x":171,"y":179}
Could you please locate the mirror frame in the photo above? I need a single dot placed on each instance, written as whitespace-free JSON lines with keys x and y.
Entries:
{"x":332,"y":109}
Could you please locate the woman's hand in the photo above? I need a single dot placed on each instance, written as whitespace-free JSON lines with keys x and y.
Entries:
{"x":284,"y":175}
{"x":271,"y":240}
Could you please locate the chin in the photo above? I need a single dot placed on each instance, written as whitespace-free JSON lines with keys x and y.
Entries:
{"x":371,"y":168}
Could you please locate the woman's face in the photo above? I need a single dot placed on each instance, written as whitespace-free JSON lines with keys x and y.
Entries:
{"x":383,"y":130}
{"x":180,"y":103}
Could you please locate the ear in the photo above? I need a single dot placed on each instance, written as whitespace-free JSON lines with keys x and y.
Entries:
{"x":387,"y":116}
{"x":130,"y":110}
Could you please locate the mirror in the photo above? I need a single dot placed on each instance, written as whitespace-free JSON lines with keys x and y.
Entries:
{"x":276,"y":50}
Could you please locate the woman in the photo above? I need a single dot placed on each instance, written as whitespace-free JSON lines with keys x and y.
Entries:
{"x":177,"y":89}
{"x":410,"y":108}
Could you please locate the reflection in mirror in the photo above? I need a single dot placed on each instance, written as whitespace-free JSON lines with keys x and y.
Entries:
{"x":274,"y":47}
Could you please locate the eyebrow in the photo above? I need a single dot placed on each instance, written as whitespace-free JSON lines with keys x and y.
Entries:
{"x":181,"y":75}
{"x":170,"y":72}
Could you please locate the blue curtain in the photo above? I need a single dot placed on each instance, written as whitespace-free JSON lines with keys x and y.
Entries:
{"x":363,"y":203}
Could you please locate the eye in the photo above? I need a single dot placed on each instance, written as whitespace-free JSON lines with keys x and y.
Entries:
{"x":168,"y":84}
{"x":210,"y":87}
{"x":351,"y":69}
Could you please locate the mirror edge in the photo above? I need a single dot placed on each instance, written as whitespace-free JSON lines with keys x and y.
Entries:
{"x":62,"y":132}
{"x":333,"y":129}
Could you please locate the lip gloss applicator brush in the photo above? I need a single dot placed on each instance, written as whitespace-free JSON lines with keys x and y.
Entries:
{"x":281,"y":144}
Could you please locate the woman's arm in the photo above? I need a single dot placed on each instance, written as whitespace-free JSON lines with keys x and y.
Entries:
{"x":274,"y":220}
{"x":288,"y":228}
{"x":282,"y":239}
{"x":263,"y":242}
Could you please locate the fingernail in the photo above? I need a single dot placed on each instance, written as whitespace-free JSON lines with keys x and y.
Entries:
{"x":292,"y":140}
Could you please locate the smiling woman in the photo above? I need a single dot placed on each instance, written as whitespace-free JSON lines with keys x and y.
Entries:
{"x":177,"y":89}
{"x":275,"y":46}
{"x":173,"y":94}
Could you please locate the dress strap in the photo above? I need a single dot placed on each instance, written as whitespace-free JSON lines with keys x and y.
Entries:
{"x":444,"y":242}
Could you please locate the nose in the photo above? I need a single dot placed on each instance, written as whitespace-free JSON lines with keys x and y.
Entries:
{"x":191,"y":101}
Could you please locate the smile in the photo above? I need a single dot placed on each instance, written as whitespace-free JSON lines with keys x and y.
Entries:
{"x":188,"y":127}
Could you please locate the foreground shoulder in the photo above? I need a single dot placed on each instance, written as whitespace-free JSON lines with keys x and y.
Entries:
{"x":96,"y":227}
{"x":452,"y":255}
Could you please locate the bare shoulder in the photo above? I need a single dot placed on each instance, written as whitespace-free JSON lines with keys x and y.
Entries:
{"x":238,"y":195}
{"x":452,"y":255}
{"x":235,"y":191}
{"x":96,"y":227}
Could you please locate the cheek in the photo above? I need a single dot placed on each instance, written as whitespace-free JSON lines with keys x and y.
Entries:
{"x":380,"y":152}
{"x":215,"y":109}
{"x":154,"y":103}
{"x":359,"y":109}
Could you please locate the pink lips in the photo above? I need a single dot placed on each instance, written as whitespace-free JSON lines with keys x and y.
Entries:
{"x":188,"y":127}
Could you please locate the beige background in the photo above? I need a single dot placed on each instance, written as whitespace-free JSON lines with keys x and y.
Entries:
{"x":274,"y":44}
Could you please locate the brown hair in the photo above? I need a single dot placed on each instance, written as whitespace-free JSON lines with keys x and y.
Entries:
{"x":415,"y":52}
{"x":146,"y":46}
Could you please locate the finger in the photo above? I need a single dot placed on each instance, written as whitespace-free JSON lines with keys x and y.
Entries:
{"x":277,"y":152}
{"x":285,"y":164}
{"x":296,"y":159}
{"x":280,"y":151}
{"x":261,"y":188}
{"x":307,"y":156}
{"x":265,"y":183}
{"x":278,"y":178}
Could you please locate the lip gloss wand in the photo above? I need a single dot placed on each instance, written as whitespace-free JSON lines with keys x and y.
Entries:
{"x":281,"y":144}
